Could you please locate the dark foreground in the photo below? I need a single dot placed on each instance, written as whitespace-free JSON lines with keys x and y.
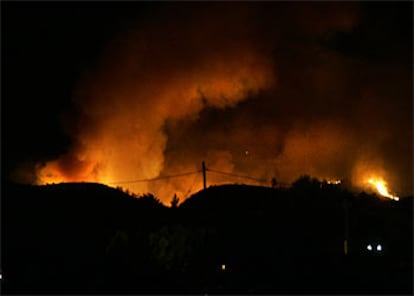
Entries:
{"x":88,"y":238}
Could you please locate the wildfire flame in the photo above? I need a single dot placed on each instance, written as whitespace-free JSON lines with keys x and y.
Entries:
{"x":381,"y":186}
{"x":333,"y":182}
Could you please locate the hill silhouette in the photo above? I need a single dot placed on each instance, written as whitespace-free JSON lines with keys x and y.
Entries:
{"x":62,"y":236}
{"x":90,"y":238}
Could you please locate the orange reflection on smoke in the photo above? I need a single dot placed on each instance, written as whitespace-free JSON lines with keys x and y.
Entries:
{"x":54,"y":172}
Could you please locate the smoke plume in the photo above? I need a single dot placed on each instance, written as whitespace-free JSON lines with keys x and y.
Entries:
{"x":253,"y":90}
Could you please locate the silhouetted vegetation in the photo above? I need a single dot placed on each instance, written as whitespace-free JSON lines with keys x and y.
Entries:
{"x":174,"y":202}
{"x":84,"y":238}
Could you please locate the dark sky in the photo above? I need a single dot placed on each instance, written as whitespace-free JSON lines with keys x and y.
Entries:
{"x":306,"y":88}
{"x":45,"y":48}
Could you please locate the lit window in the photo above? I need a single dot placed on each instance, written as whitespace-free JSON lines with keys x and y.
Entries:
{"x":369,"y":248}
{"x":379,"y":248}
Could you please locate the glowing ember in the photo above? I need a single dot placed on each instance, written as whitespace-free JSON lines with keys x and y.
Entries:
{"x":334,"y":182}
{"x":381,"y":187}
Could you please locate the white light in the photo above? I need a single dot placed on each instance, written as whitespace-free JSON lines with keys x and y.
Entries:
{"x":379,"y":248}
{"x":223,"y":267}
{"x":369,"y":248}
{"x":1,"y":276}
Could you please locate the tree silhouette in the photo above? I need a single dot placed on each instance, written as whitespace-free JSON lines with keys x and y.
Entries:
{"x":174,"y":202}
{"x":149,"y":200}
{"x":274,"y":182}
{"x":306,"y":184}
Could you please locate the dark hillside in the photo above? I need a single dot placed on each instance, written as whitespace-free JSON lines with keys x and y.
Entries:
{"x":67,"y":235}
{"x":82,"y":238}
{"x":297,"y":235}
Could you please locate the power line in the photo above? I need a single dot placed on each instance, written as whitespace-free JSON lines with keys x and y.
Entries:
{"x":187,"y":174}
{"x":191,"y":187}
{"x":234,"y":175}
{"x":155,"y":179}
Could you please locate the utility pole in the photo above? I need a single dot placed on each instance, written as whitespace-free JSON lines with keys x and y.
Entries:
{"x":346,"y":226}
{"x":206,"y":242}
{"x":203,"y":167}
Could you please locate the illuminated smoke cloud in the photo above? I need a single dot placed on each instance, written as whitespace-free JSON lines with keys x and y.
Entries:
{"x":250,"y":89}
{"x":148,"y":77}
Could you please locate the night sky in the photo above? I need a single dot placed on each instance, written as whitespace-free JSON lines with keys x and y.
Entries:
{"x":112,"y":92}
{"x":46,"y":46}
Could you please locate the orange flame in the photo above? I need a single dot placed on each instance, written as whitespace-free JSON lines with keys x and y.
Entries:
{"x":381,"y":186}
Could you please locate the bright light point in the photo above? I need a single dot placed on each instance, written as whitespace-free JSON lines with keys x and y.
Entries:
{"x":223,"y":267}
{"x":246,"y":152}
{"x":1,"y":276}
{"x":369,"y":248}
{"x":379,"y":248}
{"x":381,"y":187}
